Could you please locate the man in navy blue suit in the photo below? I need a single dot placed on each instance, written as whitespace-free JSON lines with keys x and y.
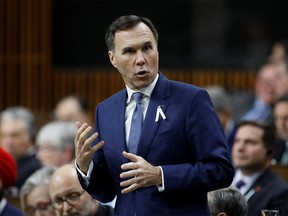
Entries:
{"x":182,"y":153}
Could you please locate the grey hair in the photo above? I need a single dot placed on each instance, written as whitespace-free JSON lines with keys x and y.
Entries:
{"x":227,"y":200}
{"x":21,"y":113}
{"x":39,"y":177}
{"x":220,"y":98}
{"x":60,"y":134}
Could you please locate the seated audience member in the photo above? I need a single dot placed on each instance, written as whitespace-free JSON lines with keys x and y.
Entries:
{"x":281,"y":79}
{"x":55,"y":142}
{"x":72,"y":108}
{"x":221,"y":101}
{"x":271,"y":83}
{"x":281,"y":123}
{"x":251,"y":154}
{"x":8,"y":174}
{"x":17,"y":133}
{"x":227,"y":202}
{"x":34,"y":195}
{"x":69,"y":198}
{"x":265,"y":96}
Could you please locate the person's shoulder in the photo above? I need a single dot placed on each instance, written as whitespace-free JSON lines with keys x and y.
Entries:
{"x":115,"y":97}
{"x":105,"y":210}
{"x":273,"y":178}
{"x":11,"y":210}
{"x":183,"y":85}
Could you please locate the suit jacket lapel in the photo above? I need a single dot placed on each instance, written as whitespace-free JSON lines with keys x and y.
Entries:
{"x":256,"y":186}
{"x":158,"y":98}
{"x":118,"y":120}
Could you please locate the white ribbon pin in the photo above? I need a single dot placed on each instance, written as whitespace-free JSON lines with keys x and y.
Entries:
{"x":159,"y":112}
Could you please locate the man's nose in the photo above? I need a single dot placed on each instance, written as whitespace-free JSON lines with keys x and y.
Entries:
{"x":140,"y":58}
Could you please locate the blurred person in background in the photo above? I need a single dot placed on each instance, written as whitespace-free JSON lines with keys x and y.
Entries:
{"x":227,"y":202}
{"x":17,"y":134}
{"x":69,"y":198}
{"x":72,"y":108}
{"x":281,"y":123}
{"x":278,"y":52}
{"x":222,"y":103}
{"x":271,"y":83}
{"x":55,"y":142}
{"x":8,"y":174}
{"x":34,"y":194}
{"x":265,"y":96}
{"x":252,"y":152}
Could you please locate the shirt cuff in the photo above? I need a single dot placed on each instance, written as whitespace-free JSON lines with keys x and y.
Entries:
{"x":86,"y":177}
{"x":161,"y":187}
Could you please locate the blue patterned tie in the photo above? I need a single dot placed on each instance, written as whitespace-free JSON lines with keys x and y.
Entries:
{"x":136,"y":124}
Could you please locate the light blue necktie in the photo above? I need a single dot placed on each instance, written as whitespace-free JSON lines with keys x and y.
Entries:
{"x":136,"y":123}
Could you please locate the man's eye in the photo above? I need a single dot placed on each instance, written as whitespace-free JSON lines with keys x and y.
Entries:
{"x":73,"y":197}
{"x":147,"y":48}
{"x":58,"y":201}
{"x":128,"y":51}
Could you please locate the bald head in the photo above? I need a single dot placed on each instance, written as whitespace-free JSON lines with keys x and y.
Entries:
{"x":63,"y":175}
{"x":64,"y":187}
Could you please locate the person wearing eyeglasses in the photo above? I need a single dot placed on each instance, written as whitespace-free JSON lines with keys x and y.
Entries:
{"x":34,"y":194}
{"x":68,"y":197}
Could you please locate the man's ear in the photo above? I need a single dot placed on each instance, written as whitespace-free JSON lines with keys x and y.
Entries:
{"x":112,"y":58}
{"x":222,"y":214}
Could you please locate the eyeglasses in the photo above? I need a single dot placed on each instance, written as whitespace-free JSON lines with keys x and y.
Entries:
{"x":41,"y":206}
{"x":72,"y":199}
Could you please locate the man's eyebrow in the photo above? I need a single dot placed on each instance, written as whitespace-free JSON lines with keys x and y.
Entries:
{"x":125,"y":49}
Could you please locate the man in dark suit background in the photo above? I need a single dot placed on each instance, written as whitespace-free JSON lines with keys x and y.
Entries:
{"x":17,"y":136}
{"x":251,"y":154}
{"x":182,"y":153}
{"x":281,"y":123}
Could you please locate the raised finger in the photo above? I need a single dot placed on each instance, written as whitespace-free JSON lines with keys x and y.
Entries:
{"x":97,"y":146}
{"x":130,"y":156}
{"x":83,"y":137}
{"x":80,"y":130}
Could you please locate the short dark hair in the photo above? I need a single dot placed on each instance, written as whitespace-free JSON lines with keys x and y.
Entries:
{"x":269,"y":132}
{"x":126,"y":22}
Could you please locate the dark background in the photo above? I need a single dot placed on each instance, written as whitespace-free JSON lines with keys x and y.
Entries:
{"x":192,"y":34}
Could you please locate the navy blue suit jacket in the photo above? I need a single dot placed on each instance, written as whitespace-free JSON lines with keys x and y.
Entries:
{"x":189,"y":145}
{"x":10,"y":210}
{"x":269,"y":191}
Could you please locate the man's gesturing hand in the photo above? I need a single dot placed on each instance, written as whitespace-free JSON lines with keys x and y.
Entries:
{"x":83,"y":150}
{"x":138,"y":173}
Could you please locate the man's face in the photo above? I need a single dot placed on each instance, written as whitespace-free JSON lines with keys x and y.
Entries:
{"x":281,"y":119}
{"x":248,"y":150}
{"x":48,"y":155}
{"x":135,"y":56}
{"x":65,"y":189}
{"x":38,"y":202}
{"x":14,"y":137}
{"x":266,"y":84}
{"x":281,"y":79}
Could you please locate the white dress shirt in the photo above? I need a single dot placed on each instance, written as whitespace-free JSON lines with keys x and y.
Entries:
{"x":249,"y":180}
